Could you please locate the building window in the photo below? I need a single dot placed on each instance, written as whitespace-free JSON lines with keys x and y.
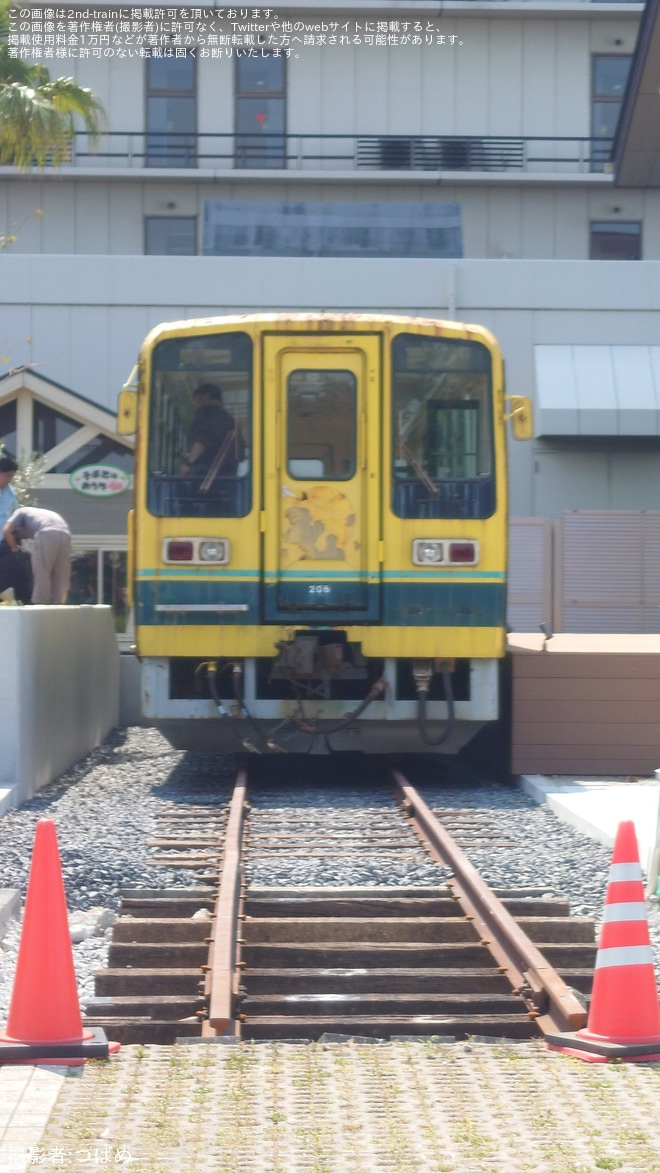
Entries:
{"x":8,"y":427}
{"x":260,"y":111}
{"x":50,"y":427}
{"x":608,"y":86}
{"x":170,"y":236}
{"x":616,"y":241}
{"x":171,"y":112}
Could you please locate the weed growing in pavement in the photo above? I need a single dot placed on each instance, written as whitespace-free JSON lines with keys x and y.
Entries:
{"x":608,"y":1163}
{"x":239,"y":1061}
{"x":477,"y":1143}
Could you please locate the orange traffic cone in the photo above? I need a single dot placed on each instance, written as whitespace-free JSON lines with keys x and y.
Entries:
{"x":624,"y":1016}
{"x":44,"y":1023}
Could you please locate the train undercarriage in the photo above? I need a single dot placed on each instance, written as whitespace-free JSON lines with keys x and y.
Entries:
{"x":320,"y":695}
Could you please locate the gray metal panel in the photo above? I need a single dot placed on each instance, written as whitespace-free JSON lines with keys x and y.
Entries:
{"x":529,"y":601}
{"x":610,"y":572}
{"x":651,"y":562}
{"x":602,"y":557}
{"x":599,"y":619}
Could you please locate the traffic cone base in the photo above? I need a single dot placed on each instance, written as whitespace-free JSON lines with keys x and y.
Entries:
{"x":44,"y":1023}
{"x":624,"y":1014}
{"x":581,"y":1046}
{"x":93,"y":1045}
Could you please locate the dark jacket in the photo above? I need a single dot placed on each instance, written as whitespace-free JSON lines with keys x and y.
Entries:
{"x":212,"y":426}
{"x":16,"y":572}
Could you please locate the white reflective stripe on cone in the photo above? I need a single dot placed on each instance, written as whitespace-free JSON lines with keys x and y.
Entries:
{"x":624,"y":871}
{"x":633,"y":910}
{"x":624,"y":955}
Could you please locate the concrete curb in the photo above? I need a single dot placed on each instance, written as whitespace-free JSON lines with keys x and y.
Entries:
{"x":10,"y":906}
{"x":595,"y":808}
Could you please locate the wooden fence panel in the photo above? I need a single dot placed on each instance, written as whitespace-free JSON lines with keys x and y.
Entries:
{"x":585,"y":704}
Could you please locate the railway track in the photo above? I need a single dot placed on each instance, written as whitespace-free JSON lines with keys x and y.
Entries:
{"x":225,"y":957}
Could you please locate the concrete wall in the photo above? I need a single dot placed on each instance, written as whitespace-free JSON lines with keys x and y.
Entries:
{"x":59,"y":692}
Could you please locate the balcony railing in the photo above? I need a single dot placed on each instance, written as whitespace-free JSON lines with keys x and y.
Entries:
{"x":342,"y":152}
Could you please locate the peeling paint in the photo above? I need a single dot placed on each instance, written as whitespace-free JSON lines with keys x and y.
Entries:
{"x":320,"y":525}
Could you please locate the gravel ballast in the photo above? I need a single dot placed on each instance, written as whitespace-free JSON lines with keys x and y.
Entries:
{"x":106,"y":807}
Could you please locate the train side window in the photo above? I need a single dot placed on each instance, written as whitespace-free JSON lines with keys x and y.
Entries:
{"x":322,"y":425}
{"x":200,"y":427}
{"x":442,"y":435}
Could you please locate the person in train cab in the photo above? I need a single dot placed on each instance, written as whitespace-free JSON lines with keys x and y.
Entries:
{"x":51,"y":550}
{"x":8,"y":502}
{"x":215,"y":444}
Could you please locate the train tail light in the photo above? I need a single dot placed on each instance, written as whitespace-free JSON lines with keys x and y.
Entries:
{"x":465,"y":552}
{"x":177,"y":551}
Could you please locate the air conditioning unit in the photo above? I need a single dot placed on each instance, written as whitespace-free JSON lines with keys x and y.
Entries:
{"x":396,"y":153}
{"x":460,"y":154}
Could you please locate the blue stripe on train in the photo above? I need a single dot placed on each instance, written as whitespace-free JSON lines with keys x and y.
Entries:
{"x":407,"y":604}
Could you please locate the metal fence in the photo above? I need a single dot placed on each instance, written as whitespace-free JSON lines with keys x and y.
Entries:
{"x":341,"y":152}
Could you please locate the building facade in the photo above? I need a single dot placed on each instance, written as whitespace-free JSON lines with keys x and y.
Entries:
{"x":458,"y":164}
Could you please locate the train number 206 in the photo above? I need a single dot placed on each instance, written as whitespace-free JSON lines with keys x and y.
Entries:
{"x":319,"y":589}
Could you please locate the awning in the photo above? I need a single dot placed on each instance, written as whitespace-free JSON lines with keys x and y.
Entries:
{"x":597,"y":391}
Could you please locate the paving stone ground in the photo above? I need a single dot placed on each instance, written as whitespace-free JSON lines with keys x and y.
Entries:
{"x":357,"y":1107}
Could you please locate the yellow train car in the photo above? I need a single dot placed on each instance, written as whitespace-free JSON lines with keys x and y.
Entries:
{"x":318,"y":546}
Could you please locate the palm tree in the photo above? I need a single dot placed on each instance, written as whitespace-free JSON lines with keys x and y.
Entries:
{"x":37,"y":114}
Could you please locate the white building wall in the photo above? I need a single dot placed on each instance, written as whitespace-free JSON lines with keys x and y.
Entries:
{"x":509,"y":75}
{"x":514,"y":221}
{"x":87,"y":317}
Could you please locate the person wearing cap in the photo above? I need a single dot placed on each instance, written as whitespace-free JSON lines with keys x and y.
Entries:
{"x":51,"y":550}
{"x":8,"y":502}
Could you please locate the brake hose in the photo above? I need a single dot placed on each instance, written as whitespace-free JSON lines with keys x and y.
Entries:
{"x":422,"y":694}
{"x":305,"y":727}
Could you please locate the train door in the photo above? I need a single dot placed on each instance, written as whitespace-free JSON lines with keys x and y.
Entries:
{"x":321,"y":478}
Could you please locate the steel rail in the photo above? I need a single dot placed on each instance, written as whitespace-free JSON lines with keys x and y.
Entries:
{"x":549,"y":1000}
{"x":223,"y":946}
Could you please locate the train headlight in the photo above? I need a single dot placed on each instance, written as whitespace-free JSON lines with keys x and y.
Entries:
{"x":427,"y":553}
{"x":216,"y":550}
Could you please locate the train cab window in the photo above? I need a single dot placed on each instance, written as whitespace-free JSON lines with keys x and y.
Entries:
{"x":322,"y":425}
{"x":200,"y":427}
{"x":442,"y":441}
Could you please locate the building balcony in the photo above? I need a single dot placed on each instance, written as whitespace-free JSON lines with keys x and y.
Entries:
{"x":367,"y":155}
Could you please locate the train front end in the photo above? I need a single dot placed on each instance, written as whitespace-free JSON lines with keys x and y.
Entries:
{"x":319,"y":538}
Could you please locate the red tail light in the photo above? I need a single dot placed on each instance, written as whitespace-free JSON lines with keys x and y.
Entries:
{"x":462,"y":552}
{"x":179,"y":551}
